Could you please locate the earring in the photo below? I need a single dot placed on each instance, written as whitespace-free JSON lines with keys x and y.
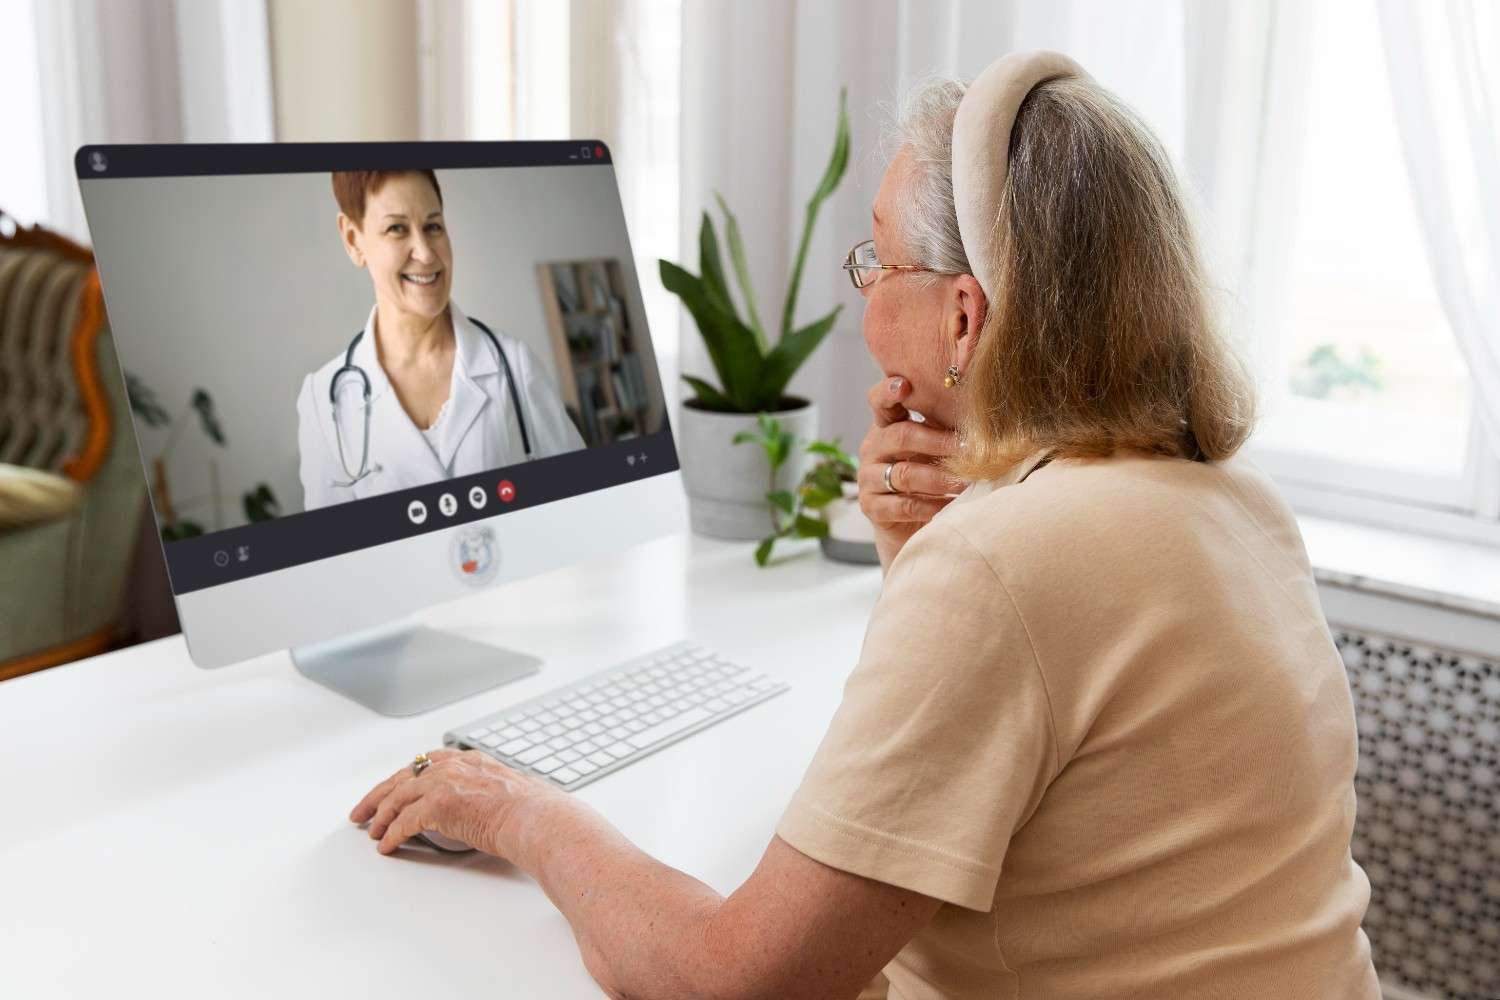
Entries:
{"x":951,"y":378}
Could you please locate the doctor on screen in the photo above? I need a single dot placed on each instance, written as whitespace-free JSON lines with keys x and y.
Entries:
{"x":423,"y":393}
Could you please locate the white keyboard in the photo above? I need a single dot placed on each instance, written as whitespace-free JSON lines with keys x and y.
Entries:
{"x":581,"y":732}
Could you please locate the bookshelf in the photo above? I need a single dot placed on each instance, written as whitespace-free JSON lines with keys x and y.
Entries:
{"x":600,"y":360}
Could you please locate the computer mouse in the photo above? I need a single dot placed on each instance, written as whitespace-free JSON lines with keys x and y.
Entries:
{"x":442,"y":843}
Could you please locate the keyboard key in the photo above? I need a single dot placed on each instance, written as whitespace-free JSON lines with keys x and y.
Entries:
{"x":671,"y":727}
{"x":611,"y":718}
{"x":532,"y":756}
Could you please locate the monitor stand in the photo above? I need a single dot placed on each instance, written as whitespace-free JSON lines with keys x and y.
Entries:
{"x":409,"y":669}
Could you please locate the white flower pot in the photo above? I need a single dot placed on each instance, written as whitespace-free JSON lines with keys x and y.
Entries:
{"x":726,"y":482}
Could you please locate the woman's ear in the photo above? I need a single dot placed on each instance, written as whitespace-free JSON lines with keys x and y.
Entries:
{"x":350,"y":237}
{"x":967,"y":311}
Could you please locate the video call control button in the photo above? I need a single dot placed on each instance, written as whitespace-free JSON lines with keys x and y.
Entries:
{"x":506,"y":491}
{"x":417,"y":511}
{"x":448,"y":504}
{"x":478,"y":497}
{"x":221,"y":558}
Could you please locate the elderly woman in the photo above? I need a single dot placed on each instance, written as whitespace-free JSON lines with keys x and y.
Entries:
{"x":422,"y":393}
{"x":1098,"y":742}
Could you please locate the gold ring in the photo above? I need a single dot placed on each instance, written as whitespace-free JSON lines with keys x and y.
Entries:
{"x":420,"y":763}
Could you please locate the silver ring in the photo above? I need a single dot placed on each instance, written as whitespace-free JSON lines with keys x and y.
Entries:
{"x":420,"y":763}
{"x":889,"y":468}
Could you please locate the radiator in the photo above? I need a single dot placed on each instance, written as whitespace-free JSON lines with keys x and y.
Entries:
{"x":1427,"y":832}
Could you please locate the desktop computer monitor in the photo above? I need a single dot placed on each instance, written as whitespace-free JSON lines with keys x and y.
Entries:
{"x":369,"y":377}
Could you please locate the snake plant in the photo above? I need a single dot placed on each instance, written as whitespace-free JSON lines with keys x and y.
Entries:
{"x":753,"y":372}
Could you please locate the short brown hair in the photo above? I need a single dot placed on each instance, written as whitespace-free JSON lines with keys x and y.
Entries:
{"x":1102,"y":337}
{"x":352,"y":188}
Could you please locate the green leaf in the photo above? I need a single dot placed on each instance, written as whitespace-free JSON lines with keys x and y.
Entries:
{"x":779,"y":447}
{"x":260,"y":504}
{"x":709,"y":397}
{"x":204,"y":404}
{"x":818,"y":497}
{"x":742,"y":271}
{"x":763,"y":550}
{"x":143,"y":402}
{"x":180,"y":530}
{"x":783,"y":500}
{"x":832,"y":451}
{"x":838,"y":162}
{"x":788,"y":355}
{"x":715,"y":287}
{"x":747,"y":437}
{"x":731,"y":346}
{"x":810,"y":527}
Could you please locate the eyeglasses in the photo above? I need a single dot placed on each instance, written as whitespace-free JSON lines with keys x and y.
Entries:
{"x":865,"y":268}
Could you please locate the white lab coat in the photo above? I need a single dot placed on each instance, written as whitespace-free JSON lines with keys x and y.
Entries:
{"x":475,"y":431}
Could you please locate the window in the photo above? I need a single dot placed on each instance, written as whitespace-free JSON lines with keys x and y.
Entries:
{"x":1364,"y":393}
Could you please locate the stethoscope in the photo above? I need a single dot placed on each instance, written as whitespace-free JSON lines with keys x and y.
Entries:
{"x":350,"y":368}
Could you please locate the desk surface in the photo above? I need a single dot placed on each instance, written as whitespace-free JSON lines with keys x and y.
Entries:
{"x":171,"y":831}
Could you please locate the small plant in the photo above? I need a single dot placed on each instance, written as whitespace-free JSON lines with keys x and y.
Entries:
{"x":1325,"y":372}
{"x":753,"y":372}
{"x":259,"y":504}
{"x":798,"y":514}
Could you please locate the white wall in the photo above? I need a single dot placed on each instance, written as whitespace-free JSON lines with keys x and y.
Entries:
{"x":239,"y":285}
{"x":345,"y":70}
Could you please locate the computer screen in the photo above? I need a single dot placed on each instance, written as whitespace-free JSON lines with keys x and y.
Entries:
{"x":329,"y":347}
{"x":255,"y":354}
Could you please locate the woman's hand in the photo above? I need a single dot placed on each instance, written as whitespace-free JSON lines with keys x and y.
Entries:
{"x":920,"y":487}
{"x":466,"y":795}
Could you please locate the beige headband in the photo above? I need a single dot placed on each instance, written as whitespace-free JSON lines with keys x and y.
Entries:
{"x":981,"y":149}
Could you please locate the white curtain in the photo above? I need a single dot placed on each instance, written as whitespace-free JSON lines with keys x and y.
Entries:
{"x":760,"y":85}
{"x":143,"y":71}
{"x":1444,"y":60}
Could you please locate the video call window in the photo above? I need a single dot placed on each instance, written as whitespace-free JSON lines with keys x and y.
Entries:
{"x":294,"y":341}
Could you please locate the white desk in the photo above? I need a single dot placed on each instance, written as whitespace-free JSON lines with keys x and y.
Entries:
{"x":170,"y":831}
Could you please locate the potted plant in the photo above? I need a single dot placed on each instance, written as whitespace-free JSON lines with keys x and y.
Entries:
{"x":726,"y":486}
{"x":807,"y":512}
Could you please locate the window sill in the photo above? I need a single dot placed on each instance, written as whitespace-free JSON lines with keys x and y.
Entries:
{"x":1458,"y":576}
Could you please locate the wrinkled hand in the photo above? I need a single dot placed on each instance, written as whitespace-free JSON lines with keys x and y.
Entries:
{"x":922,"y":488}
{"x":466,"y":795}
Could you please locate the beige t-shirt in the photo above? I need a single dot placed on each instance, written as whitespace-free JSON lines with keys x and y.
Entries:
{"x":1099,"y":714}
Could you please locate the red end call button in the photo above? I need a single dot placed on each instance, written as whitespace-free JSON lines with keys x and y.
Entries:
{"x":506,"y":491}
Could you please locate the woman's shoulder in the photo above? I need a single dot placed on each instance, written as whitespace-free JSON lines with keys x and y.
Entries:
{"x":1122,"y":503}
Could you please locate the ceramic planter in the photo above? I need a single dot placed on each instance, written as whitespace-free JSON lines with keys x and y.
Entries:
{"x":726,"y":482}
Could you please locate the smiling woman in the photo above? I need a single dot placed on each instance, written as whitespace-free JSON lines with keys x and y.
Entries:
{"x":422,"y":393}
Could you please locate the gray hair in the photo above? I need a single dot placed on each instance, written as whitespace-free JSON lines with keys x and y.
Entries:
{"x":928,"y":222}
